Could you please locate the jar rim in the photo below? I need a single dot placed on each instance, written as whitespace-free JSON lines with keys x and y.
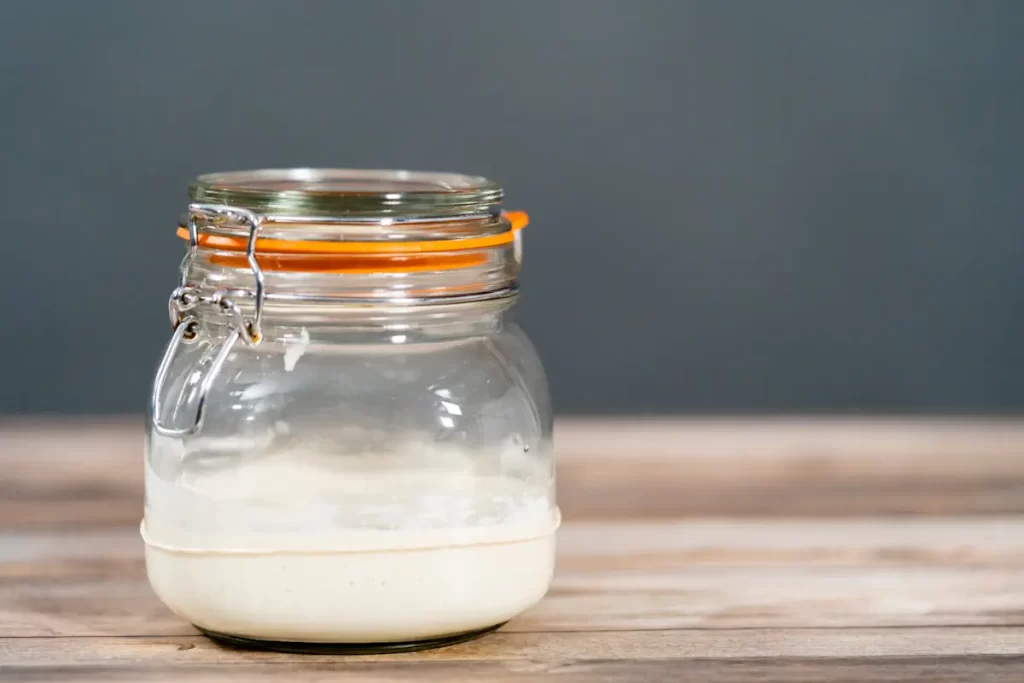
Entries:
{"x":346,"y":192}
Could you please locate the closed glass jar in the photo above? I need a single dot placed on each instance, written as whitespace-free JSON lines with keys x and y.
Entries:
{"x":349,"y":442}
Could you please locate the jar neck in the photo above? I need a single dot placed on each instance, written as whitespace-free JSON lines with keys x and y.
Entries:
{"x":392,"y":275}
{"x":373,"y":323}
{"x":369,"y":279}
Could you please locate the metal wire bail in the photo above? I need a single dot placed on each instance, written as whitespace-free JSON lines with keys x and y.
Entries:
{"x":186,"y":297}
{"x":204,"y":386}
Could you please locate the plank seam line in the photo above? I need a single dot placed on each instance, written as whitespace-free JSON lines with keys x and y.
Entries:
{"x":884,"y":627}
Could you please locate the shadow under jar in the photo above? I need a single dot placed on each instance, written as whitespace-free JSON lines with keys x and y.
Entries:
{"x":349,"y":445}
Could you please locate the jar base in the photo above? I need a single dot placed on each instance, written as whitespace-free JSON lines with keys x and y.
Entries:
{"x":345,"y":648}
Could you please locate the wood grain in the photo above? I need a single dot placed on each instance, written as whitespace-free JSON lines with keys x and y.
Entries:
{"x":70,"y":473}
{"x":776,"y":654}
{"x":609,"y":469}
{"x":930,"y":669}
{"x":553,"y":647}
{"x":789,"y":467}
{"x":719,"y":550}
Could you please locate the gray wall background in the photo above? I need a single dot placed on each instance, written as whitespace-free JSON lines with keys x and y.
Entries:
{"x":737,"y":206}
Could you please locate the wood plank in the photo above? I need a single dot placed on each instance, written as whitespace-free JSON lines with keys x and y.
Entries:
{"x":70,"y":473}
{"x":791,"y":467}
{"x":557,"y":646}
{"x":614,"y":576}
{"x":945,"y":669}
{"x":775,"y":654}
{"x":88,"y":474}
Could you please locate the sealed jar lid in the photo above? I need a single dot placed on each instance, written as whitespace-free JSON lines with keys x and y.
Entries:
{"x":352,"y":193}
{"x":348,"y":211}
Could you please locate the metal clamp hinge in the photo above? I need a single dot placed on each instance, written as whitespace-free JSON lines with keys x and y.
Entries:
{"x":186,"y":297}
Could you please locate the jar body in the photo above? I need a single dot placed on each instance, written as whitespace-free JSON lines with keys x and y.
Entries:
{"x":368,"y":478}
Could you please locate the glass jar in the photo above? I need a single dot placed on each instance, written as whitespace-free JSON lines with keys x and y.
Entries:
{"x":349,"y":444}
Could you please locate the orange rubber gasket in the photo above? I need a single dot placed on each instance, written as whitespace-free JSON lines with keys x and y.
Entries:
{"x":518,"y":219}
{"x":356,"y":264}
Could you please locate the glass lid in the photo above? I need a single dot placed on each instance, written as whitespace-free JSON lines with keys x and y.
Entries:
{"x":351,"y":193}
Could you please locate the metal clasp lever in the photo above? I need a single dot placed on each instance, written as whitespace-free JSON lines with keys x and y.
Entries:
{"x":186,"y":297}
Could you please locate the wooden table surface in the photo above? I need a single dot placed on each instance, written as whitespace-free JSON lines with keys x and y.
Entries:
{"x":714,"y":550}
